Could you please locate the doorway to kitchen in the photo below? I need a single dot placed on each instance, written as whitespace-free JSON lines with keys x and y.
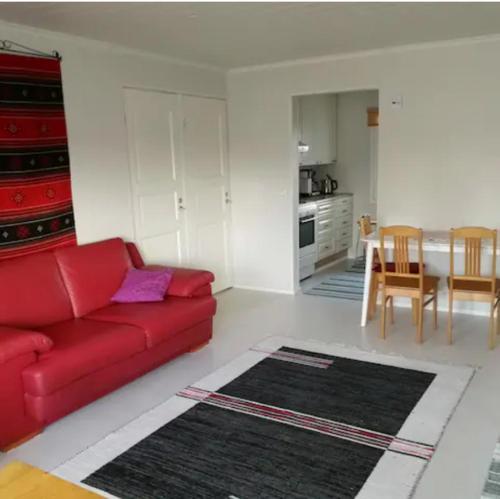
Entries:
{"x":336,"y":140}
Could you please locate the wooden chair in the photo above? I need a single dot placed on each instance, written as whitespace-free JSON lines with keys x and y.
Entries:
{"x":471,"y":285}
{"x":402,"y":281}
{"x":365,"y":229}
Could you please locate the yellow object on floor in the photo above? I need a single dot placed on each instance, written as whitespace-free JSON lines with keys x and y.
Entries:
{"x":21,"y":481}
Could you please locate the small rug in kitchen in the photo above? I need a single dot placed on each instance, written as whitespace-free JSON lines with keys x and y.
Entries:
{"x":347,"y":285}
{"x":287,"y":419}
{"x":492,"y":485}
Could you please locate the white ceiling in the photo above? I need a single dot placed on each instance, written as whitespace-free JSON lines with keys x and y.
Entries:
{"x":242,"y":34}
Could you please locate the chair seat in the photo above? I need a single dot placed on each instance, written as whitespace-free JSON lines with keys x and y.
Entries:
{"x":410,"y":283}
{"x":473,"y":286}
{"x":391,"y":267}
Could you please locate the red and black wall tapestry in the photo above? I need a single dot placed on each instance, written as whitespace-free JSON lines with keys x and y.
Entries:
{"x":36,"y":211}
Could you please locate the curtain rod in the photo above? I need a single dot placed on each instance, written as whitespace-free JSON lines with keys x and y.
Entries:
{"x":17,"y":48}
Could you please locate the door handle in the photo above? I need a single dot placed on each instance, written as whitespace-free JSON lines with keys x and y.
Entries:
{"x":180,"y":204}
{"x":227,"y":198}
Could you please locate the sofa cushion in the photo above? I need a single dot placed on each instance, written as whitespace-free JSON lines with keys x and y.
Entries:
{"x":143,"y":286}
{"x":159,"y":320}
{"x":93,"y":272}
{"x":80,"y":347}
{"x":32,"y":292}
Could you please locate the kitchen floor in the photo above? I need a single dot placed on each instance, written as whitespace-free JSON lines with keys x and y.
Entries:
{"x":457,"y":470}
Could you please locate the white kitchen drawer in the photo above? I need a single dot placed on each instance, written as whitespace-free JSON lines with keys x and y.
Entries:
{"x":325,"y":235}
{"x":342,"y":210}
{"x":327,"y":215}
{"x":343,"y":232}
{"x":325,"y":223}
{"x":306,"y":261}
{"x":343,"y":244}
{"x":343,"y":222}
{"x":326,"y":211}
{"x":306,"y":267}
{"x":325,"y":249}
{"x":343,"y":200}
{"x":325,"y":203}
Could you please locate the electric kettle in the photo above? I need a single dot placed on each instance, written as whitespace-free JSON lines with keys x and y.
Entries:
{"x":329,"y":185}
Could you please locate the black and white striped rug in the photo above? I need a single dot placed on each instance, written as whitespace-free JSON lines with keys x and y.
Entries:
{"x":344,"y":285}
{"x":287,"y":419}
{"x":491,"y":488}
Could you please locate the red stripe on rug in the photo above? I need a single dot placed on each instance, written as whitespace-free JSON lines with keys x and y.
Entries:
{"x":309,"y":422}
{"x":297,"y":358}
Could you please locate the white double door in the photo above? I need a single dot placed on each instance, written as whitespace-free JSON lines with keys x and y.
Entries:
{"x":180,"y":180}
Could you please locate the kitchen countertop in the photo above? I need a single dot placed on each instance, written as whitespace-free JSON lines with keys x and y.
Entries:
{"x":321,"y":197}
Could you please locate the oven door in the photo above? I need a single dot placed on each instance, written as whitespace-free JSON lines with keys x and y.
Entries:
{"x":306,"y":235}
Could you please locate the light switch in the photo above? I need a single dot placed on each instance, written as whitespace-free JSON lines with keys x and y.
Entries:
{"x":397,"y":102}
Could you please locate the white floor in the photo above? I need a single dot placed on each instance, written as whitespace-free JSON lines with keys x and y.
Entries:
{"x":457,"y":470}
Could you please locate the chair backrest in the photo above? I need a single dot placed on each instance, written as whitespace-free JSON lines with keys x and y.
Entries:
{"x":473,"y":244}
{"x":365,"y":225}
{"x":402,"y":236}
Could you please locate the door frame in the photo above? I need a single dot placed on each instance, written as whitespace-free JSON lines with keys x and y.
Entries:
{"x":161,"y":90}
{"x":294,"y":162}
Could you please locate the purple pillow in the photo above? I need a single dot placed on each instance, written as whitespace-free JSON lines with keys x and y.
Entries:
{"x":143,"y":286}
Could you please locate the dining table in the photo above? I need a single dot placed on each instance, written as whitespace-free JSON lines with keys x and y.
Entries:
{"x":432,"y":241}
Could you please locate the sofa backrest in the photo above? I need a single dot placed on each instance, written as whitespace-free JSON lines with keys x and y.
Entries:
{"x":92,"y":273}
{"x":32,"y":292}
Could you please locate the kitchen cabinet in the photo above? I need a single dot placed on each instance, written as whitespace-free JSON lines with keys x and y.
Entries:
{"x":334,"y":226}
{"x":317,"y":128}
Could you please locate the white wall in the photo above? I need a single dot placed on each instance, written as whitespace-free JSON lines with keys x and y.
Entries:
{"x":353,"y":153}
{"x":439,"y":156}
{"x":93,"y":77}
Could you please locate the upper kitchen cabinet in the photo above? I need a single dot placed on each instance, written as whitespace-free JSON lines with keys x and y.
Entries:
{"x":317,"y":128}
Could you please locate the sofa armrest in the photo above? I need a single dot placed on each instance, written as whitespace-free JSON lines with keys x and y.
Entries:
{"x":18,"y":350}
{"x":187,"y":283}
{"x":16,"y":342}
{"x":135,"y":256}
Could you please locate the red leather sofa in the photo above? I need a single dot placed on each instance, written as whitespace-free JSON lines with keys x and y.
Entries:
{"x":64,"y":344}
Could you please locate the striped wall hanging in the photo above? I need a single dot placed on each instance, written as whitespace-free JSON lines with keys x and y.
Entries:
{"x":36,"y":211}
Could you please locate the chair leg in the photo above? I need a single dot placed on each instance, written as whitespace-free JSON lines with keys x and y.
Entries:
{"x":492,"y":338}
{"x":450,"y":317}
{"x":435,"y":310}
{"x":391,"y":303}
{"x":372,"y":296}
{"x":414,"y":310}
{"x":420,"y":325}
{"x":376,"y":288}
{"x":382,"y":316}
{"x":373,"y":305}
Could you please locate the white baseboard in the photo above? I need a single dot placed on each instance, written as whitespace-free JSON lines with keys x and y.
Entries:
{"x":265,"y":290}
